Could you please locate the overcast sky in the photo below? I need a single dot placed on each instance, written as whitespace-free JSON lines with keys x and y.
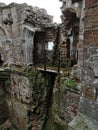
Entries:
{"x":52,"y":6}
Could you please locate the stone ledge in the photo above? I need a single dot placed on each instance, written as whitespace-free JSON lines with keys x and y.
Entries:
{"x":82,"y":122}
{"x":4,"y":74}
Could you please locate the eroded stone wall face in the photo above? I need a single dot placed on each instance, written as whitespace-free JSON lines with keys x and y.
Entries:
{"x":80,"y":45}
{"x":91,"y":24}
{"x":42,"y":51}
{"x":27,"y":93}
{"x":90,"y":35}
{"x":88,"y":103}
{"x":3,"y":105}
{"x":65,"y":102}
{"x":91,"y":3}
{"x":27,"y":98}
{"x":86,"y":72}
{"x":18,"y":99}
{"x":90,"y":57}
{"x":24,"y":34}
{"x":11,"y":25}
{"x":18,"y":24}
{"x":69,"y":42}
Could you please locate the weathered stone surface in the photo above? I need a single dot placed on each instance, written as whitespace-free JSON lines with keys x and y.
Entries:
{"x":27,"y":92}
{"x":38,"y":17}
{"x":2,"y":4}
{"x":82,"y":122}
{"x":89,"y":108}
{"x":16,"y":44}
{"x":17,"y":113}
{"x":90,"y":3}
{"x":20,"y":87}
{"x":64,"y":105}
{"x":27,"y":98}
{"x":91,"y":18}
{"x":86,"y":73}
{"x":3,"y":106}
{"x":25,"y":32}
{"x":89,"y":37}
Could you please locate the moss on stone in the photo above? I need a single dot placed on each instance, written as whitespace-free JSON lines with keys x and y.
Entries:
{"x":54,"y":122}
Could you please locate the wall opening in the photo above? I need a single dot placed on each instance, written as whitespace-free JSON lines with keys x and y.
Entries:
{"x":1,"y":61}
{"x":28,"y":37}
{"x":50,"y":46}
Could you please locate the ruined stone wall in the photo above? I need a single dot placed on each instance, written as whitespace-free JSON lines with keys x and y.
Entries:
{"x":18,"y":98}
{"x":27,"y":92}
{"x":80,"y":45}
{"x":11,"y":24}
{"x":86,"y":13}
{"x":18,"y":24}
{"x":27,"y":98}
{"x":71,"y":14}
{"x":65,"y":99}
{"x":86,"y":71}
{"x":3,"y":105}
{"x":41,"y":45}
{"x":91,"y":3}
{"x":91,"y":23}
{"x":90,"y":35}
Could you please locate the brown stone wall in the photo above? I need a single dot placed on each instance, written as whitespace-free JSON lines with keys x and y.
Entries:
{"x":17,"y":98}
{"x":50,"y":35}
{"x":90,"y":29}
{"x":20,"y":87}
{"x":90,"y":3}
{"x":91,"y":37}
{"x":91,"y":18}
{"x":64,"y":105}
{"x":47,"y":35}
{"x":91,"y":23}
{"x":28,"y":98}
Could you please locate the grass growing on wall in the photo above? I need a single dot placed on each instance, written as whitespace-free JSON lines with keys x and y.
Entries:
{"x":68,"y":83}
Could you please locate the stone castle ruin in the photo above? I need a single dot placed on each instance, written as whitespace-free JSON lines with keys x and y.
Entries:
{"x":49,"y":71}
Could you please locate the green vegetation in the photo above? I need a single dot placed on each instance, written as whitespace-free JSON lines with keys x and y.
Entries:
{"x":68,"y":83}
{"x":57,"y":127}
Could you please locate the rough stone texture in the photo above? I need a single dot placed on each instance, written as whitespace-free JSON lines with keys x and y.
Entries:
{"x":27,"y":98}
{"x":88,"y":101}
{"x":91,"y":18}
{"x":20,"y":87}
{"x":18,"y":23}
{"x":69,"y":37}
{"x":81,"y":34}
{"x":38,"y":17}
{"x":64,"y":104}
{"x":90,"y":3}
{"x":82,"y":122}
{"x":93,"y":38}
{"x":25,"y":93}
{"x":89,"y":108}
{"x":3,"y":106}
{"x":90,"y":30}
{"x":86,"y":73}
{"x":24,"y":35}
